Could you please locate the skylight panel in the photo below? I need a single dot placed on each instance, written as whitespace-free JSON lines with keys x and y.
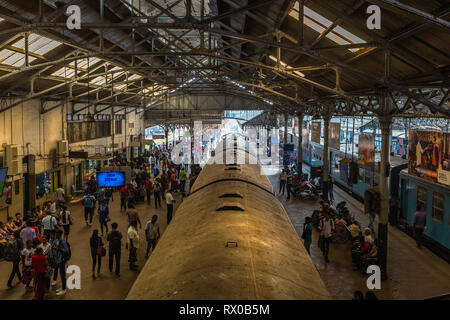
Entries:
{"x":285,"y":65}
{"x":83,"y":64}
{"x":12,"y":58}
{"x":64,"y":72}
{"x":37,"y":44}
{"x":319,"y":23}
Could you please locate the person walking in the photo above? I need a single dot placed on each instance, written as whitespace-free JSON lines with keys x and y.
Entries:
{"x":419,"y":224}
{"x":330,"y":188}
{"x":307,"y":234}
{"x":27,"y":271}
{"x":123,"y":198}
{"x":108,"y":195}
{"x":66,"y":222}
{"x":152,"y":233}
{"x":183,"y":180}
{"x":326,"y":228}
{"x":103,"y":216}
{"x":96,"y":245}
{"x":169,"y":202}
{"x":289,"y":181}
{"x":133,"y":244}
{"x":115,"y":246}
{"x":60,"y":196}
{"x":157,"y":192}
{"x":88,"y":203}
{"x":50,"y":224}
{"x":28,"y":233}
{"x":12,"y":253}
{"x":133,"y":216}
{"x":61,"y":254}
{"x":148,"y":190}
{"x":283,"y":177}
{"x":39,"y":263}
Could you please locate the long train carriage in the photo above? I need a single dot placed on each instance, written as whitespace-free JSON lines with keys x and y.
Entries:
{"x":230,"y":239}
{"x":341,"y":172}
{"x":436,"y":199}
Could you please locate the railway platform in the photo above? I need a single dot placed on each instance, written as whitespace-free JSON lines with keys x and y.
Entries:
{"x":412,"y":273}
{"x":106,"y":286}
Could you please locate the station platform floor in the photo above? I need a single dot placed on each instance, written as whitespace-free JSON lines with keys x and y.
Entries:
{"x":107,"y":286}
{"x":412,"y":273}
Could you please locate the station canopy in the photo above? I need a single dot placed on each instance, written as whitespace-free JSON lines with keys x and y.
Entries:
{"x":177,"y":61}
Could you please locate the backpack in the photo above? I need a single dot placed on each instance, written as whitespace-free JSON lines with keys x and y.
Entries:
{"x":88,"y":202}
{"x":11,"y":252}
{"x":67,"y":255}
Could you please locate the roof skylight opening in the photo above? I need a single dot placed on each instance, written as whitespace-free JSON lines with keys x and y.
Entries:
{"x":285,"y":65}
{"x":37,"y":47}
{"x":37,"y":44}
{"x":319,"y":23}
{"x":82,"y":65}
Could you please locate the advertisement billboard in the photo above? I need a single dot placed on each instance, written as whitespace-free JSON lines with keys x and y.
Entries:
{"x":366,"y":151}
{"x":429,"y":155}
{"x":305,"y":134}
{"x":334,"y":135}
{"x":316,"y":128}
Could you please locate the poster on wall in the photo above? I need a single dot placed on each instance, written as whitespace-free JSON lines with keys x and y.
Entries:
{"x":305,"y":134}
{"x":429,"y":155}
{"x":316,"y":128}
{"x":366,"y":151}
{"x":5,"y":197}
{"x":334,"y":135}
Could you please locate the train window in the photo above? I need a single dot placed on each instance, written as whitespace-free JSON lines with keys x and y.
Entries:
{"x":231,"y":195}
{"x":422,"y":196}
{"x":437,"y":212}
{"x":230,"y":208}
{"x":233,"y":168}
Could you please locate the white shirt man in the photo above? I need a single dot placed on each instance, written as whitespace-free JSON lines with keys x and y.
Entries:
{"x":169,"y":198}
{"x":132,"y":234}
{"x":60,"y":194}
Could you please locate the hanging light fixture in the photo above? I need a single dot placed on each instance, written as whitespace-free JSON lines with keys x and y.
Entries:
{"x":89,"y":117}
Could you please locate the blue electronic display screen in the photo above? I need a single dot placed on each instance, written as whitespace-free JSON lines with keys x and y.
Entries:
{"x":110,"y":179}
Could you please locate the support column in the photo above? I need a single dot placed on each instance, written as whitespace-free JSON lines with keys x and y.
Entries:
{"x":326,"y":162}
{"x":166,"y":133}
{"x":285,"y":141}
{"x":385,"y":124}
{"x":285,"y":128}
{"x":300,"y":143}
{"x":191,"y":132}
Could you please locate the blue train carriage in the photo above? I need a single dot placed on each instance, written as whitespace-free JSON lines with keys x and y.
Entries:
{"x":353,"y":178}
{"x":435,"y":198}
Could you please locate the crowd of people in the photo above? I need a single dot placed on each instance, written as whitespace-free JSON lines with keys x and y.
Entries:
{"x":37,"y":245}
{"x":338,"y":225}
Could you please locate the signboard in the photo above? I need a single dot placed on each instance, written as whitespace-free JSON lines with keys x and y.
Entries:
{"x":316,"y":128}
{"x":78,"y":154}
{"x":158,"y":136}
{"x":366,"y":151}
{"x":334,"y":135}
{"x":429,"y":155}
{"x":110,"y":179}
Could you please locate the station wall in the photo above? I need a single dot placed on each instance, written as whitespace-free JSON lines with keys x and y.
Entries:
{"x":38,"y":133}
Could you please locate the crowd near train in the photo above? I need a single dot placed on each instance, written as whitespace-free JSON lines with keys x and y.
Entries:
{"x":407,"y":191}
